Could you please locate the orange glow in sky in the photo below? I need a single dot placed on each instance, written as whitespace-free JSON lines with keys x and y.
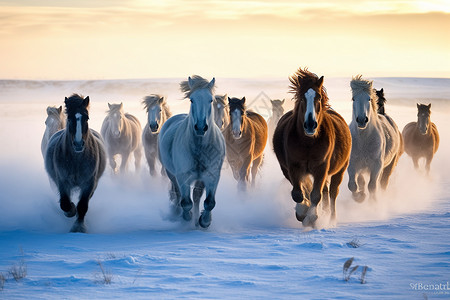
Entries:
{"x":145,"y":39}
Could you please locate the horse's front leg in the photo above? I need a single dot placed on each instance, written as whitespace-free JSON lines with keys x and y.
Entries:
{"x":112,"y":162}
{"x":243,"y":173}
{"x":295,"y":176}
{"x":186,"y":202}
{"x":374,"y":177}
{"x":197,"y":193}
{"x":123,"y":165}
{"x":66,"y":205}
{"x":320,"y":177}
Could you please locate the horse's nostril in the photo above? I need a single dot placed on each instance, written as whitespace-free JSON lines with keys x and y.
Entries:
{"x":315,"y":125}
{"x":195,"y":127}
{"x":205,"y":128}
{"x":366,"y":120}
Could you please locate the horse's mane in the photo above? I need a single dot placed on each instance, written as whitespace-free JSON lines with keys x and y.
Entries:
{"x":53,"y":111}
{"x":197,"y":83}
{"x":113,"y":108}
{"x":152,"y":99}
{"x":360,"y":85}
{"x":297,"y":88}
{"x":74,"y":103}
{"x":221,"y":99}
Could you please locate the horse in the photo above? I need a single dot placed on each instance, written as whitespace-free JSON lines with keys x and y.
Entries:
{"x":277,"y":113}
{"x":55,"y":121}
{"x":246,"y":138}
{"x":192,"y":151}
{"x":157,"y":113}
{"x":76,"y":158}
{"x":381,"y":100}
{"x":376,"y":142}
{"x":421,"y":137}
{"x":312,"y":141}
{"x":122,"y":135}
{"x":221,"y":111}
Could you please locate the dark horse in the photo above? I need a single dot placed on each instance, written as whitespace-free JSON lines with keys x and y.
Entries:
{"x":421,"y":137}
{"x":381,"y":100}
{"x":312,"y":140}
{"x":76,"y":158}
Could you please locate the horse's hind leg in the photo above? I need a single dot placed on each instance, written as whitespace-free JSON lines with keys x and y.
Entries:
{"x":186,"y":202}
{"x":66,"y":205}
{"x":82,"y":209}
{"x":112,"y":163}
{"x":197,"y":193}
{"x":255,"y":166}
{"x":243,"y":174}
{"x":335,"y":182}
{"x":387,"y":171}
{"x":137,"y":158}
{"x":174,"y":195}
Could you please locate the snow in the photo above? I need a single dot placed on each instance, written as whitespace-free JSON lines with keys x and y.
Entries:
{"x":254,"y":247}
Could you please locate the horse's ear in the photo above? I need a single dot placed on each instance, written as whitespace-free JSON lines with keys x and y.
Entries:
{"x":271,"y":101}
{"x":121,"y":105}
{"x":190,"y":82}
{"x":65,"y":100}
{"x":161,"y":99}
{"x":60,"y":109}
{"x":229,"y":99}
{"x":320,"y":82}
{"x":109,"y":105}
{"x":86,"y":101}
{"x":211,"y":83}
{"x":243,"y":100}
{"x":282,"y":101}
{"x":418,"y":105}
{"x":429,"y":106}
{"x":382,"y":90}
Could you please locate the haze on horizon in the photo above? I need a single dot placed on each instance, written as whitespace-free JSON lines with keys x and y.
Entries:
{"x":108,"y":39}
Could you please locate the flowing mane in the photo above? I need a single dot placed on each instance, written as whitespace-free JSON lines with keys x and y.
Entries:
{"x":360,"y":85}
{"x":113,"y":108}
{"x":301,"y":81}
{"x":153,"y":99}
{"x":74,"y":104}
{"x":197,"y":83}
{"x":221,"y":99}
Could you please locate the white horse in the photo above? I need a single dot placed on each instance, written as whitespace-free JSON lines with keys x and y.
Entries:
{"x":157,"y":114}
{"x":122,"y":135}
{"x":55,"y":121}
{"x":277,"y":113}
{"x":192,"y":150}
{"x":221,"y":111}
{"x":377,"y":143}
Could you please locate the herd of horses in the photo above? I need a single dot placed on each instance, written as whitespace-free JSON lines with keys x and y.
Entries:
{"x":312,"y":142}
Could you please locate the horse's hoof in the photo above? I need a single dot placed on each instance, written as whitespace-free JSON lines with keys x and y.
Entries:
{"x":310,"y":221}
{"x":72,"y":212}
{"x":79,"y":227}
{"x":187,"y":215}
{"x":359,"y":197}
{"x":205,"y":220}
{"x":301,"y":209}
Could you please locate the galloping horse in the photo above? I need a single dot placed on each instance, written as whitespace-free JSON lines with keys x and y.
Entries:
{"x":421,"y":137}
{"x":312,"y":140}
{"x":246,"y":138}
{"x":192,"y":150}
{"x":157,"y":114}
{"x":76,"y":157}
{"x":55,"y":121}
{"x":122,"y":135}
{"x":376,"y":142}
{"x":277,"y":113}
{"x":221,"y":111}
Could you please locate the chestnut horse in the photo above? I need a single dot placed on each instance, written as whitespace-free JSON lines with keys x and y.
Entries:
{"x":246,"y":138}
{"x":312,"y":140}
{"x":421,"y":138}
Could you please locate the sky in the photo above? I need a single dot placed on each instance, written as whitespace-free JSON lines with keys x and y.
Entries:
{"x":125,"y":39}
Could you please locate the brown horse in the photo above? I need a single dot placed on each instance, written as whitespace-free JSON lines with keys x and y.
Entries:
{"x":246,"y":138}
{"x":312,"y":140}
{"x":421,"y":138}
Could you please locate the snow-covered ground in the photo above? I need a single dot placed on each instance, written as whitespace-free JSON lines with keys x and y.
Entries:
{"x":254,"y":248}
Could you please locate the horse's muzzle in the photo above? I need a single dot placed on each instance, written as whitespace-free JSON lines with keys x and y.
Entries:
{"x":362,"y":122}
{"x":200,"y":130}
{"x":310,"y":126}
{"x":154,"y":127}
{"x":78,"y":146}
{"x":237,"y":134}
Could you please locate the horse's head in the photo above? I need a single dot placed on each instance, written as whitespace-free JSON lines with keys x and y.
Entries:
{"x":154,"y":104}
{"x":77,"y":120}
{"x":116,"y":116}
{"x":219,"y":110}
{"x":277,"y":108}
{"x":55,"y":118}
{"x":237,"y":111}
{"x":200,"y":92}
{"x":423,"y":117}
{"x":310,"y":101}
{"x":363,"y":101}
{"x":381,"y":100}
